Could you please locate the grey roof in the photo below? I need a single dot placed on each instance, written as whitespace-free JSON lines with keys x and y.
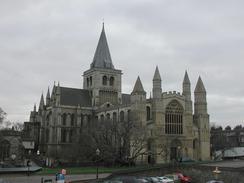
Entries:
{"x":102,"y":57}
{"x":186,"y":79}
{"x":157,"y":75}
{"x":125,"y":98}
{"x":138,"y":88}
{"x":75,"y":97}
{"x":200,"y":86}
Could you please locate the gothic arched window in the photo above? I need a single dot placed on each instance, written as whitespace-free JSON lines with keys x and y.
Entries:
{"x":174,"y":118}
{"x":148,"y":113}
{"x":108,"y":116}
{"x":105,"y":80}
{"x":111,"y":81}
{"x":72,"y":119}
{"x":102,"y":118}
{"x":64,"y":117}
{"x":87,"y":82}
{"x":114,"y":117}
{"x":122,"y":116}
{"x":90,"y":80}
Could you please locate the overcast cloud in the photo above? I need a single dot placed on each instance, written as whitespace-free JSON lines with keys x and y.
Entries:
{"x":46,"y":41}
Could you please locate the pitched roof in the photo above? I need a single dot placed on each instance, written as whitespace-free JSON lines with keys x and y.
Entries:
{"x":75,"y":97}
{"x":102,"y":57}
{"x":138,"y":88}
{"x":186,"y":79}
{"x":157,"y":75}
{"x":200,"y":86}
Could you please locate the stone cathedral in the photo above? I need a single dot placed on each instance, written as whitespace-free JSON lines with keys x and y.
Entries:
{"x":170,"y":115}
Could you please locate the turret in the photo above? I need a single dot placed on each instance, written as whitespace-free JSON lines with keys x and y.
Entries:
{"x":57,"y":96}
{"x":138,"y":94}
{"x":186,"y":91}
{"x":52,"y":100}
{"x":42,"y":104}
{"x":138,"y":100}
{"x":48,"y":98}
{"x":200,"y":101}
{"x":201,"y":119}
{"x":34,"y":107}
{"x":157,"y":88}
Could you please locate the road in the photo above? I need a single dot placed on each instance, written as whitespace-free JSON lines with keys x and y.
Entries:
{"x":13,"y":178}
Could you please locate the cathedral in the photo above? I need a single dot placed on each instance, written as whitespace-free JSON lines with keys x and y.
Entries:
{"x":168,"y":116}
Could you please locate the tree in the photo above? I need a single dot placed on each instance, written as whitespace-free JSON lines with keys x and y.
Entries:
{"x":2,"y":116}
{"x":238,"y":127}
{"x":228,"y":128}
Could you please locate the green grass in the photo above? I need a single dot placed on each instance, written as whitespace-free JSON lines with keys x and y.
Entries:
{"x":80,"y":170}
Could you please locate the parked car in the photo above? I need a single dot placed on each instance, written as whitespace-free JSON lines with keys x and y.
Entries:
{"x":124,"y":179}
{"x":174,"y":177}
{"x":183,"y":178}
{"x":166,"y":180}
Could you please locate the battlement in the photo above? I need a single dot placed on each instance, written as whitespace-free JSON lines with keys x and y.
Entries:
{"x":172,"y":94}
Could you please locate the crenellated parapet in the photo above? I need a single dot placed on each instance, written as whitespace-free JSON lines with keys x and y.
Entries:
{"x":170,"y":94}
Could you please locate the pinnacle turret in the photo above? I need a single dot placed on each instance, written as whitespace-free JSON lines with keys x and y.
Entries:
{"x":34,"y":107}
{"x":48,"y":98}
{"x":157,"y":88}
{"x":58,"y":89}
{"x":200,"y":98}
{"x":200,"y":86}
{"x":186,"y":79}
{"x":102,"y":57}
{"x":138,"y":88}
{"x":156,"y":75}
{"x":41,"y":105}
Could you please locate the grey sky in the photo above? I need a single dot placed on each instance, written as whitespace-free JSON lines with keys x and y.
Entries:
{"x":46,"y":41}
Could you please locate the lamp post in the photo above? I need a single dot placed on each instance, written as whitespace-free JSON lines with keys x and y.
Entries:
{"x":97,"y":155}
{"x":28,"y":163}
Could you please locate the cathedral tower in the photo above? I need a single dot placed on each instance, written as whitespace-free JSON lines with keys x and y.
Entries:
{"x":138,"y":100}
{"x":186,"y":91}
{"x":102,"y":79}
{"x":201,"y":119}
{"x":157,"y":88}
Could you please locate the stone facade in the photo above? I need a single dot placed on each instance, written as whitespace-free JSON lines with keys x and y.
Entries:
{"x":168,"y":116}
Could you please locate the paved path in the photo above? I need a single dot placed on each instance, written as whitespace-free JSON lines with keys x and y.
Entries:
{"x":227,"y":164}
{"x":37,"y":178}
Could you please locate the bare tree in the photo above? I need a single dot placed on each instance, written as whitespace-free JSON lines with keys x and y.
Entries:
{"x":2,"y":116}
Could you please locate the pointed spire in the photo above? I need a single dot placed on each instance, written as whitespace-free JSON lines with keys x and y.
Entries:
{"x":138,"y":88}
{"x":102,"y":57}
{"x":186,"y":79}
{"x":200,"y":86}
{"x":58,"y":89}
{"x":34,"y":107}
{"x":48,"y":94}
{"x":41,"y":105}
{"x":156,"y":74}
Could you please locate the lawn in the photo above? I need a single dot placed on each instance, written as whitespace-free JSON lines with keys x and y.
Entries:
{"x":80,"y":170}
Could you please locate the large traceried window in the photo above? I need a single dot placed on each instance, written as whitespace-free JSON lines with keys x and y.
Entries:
{"x":174,"y":118}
